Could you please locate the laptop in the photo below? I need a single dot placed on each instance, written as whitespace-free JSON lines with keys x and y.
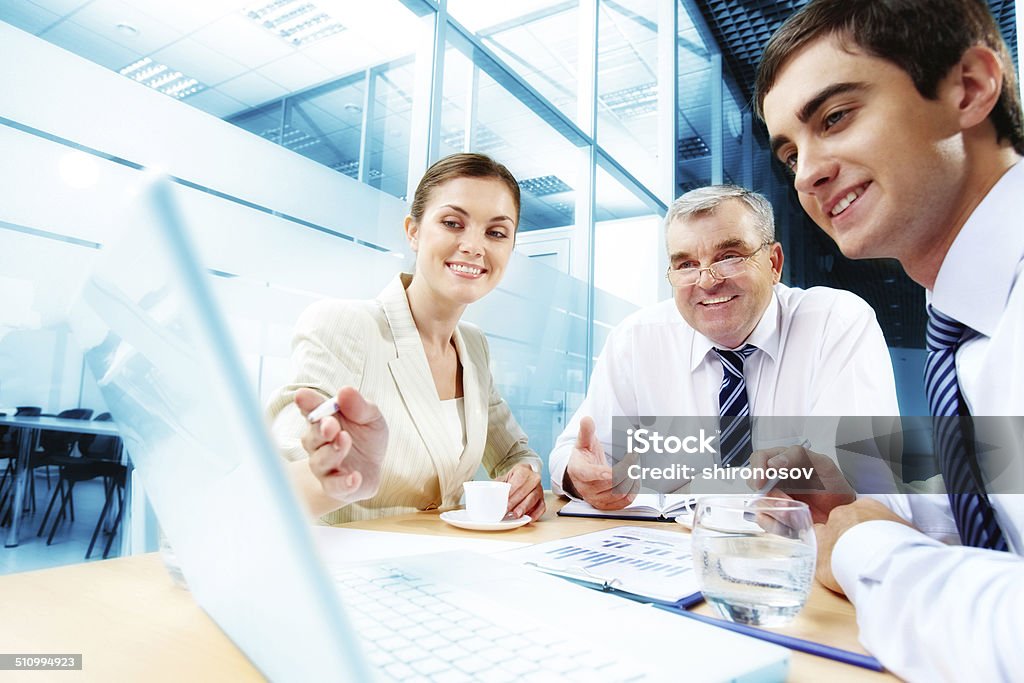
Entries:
{"x":165,"y":363}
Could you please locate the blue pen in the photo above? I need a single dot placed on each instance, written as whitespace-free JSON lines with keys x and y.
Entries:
{"x":793,"y":643}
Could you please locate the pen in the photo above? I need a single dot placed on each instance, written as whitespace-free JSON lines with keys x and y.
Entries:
{"x":792,"y":642}
{"x":768,"y":486}
{"x":328,"y":407}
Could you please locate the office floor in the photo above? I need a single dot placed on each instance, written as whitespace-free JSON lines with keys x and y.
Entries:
{"x":72,"y":538}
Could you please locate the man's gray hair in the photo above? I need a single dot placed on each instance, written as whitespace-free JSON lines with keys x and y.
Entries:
{"x":706,"y":199}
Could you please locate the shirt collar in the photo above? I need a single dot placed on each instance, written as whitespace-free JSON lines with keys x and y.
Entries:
{"x":975,"y":278}
{"x":765,"y":335}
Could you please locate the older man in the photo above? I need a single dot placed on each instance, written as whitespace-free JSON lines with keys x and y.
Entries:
{"x":732,"y":342}
{"x":901,"y":123}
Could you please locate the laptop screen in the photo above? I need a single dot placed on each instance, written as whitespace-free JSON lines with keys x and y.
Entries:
{"x":161,"y":353}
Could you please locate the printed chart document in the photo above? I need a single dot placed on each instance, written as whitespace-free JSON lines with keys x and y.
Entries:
{"x":651,"y":565}
{"x":660,"y":507}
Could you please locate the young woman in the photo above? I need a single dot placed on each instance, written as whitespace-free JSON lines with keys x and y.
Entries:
{"x":417,"y":408}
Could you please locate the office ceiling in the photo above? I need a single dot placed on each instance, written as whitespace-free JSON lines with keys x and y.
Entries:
{"x":241,"y":68}
{"x":239,"y":64}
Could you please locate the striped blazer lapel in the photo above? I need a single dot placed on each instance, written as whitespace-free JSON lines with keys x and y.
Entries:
{"x":414,"y":381}
{"x":475,"y":382}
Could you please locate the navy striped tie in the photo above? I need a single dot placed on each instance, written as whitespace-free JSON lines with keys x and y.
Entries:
{"x":954,"y":442}
{"x":735,"y":439}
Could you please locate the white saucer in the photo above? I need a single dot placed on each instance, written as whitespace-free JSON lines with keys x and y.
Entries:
{"x":461,"y":519}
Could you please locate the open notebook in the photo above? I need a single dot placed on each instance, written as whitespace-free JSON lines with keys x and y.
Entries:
{"x":660,"y":507}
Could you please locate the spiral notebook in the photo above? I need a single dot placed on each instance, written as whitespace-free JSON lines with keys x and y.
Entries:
{"x":649,"y":565}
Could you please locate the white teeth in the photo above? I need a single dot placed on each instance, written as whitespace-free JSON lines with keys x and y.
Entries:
{"x":719,"y":300}
{"x":843,"y":203}
{"x":465,"y":269}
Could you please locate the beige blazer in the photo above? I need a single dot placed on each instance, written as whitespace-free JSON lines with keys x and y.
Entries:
{"x":375,"y":347}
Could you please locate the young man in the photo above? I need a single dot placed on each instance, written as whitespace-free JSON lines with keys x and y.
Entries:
{"x":901,"y":123}
{"x":733,"y":341}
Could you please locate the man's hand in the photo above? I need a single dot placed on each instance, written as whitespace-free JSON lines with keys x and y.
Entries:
{"x":526,"y":497}
{"x":839,"y":522}
{"x":826,"y":490}
{"x":345,"y":449}
{"x":591,"y":476}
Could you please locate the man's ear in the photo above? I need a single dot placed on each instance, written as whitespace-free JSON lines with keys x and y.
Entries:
{"x":978,"y":78}
{"x":411,"y":231}
{"x":777,"y":258}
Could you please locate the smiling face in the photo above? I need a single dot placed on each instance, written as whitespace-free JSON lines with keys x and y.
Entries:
{"x":876,"y":165}
{"x":724,"y":311}
{"x":464,"y":240}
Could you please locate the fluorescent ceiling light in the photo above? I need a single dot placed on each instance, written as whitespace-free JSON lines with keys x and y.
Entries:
{"x":293,"y":138}
{"x":484,"y":139}
{"x":297,"y":22}
{"x":544,"y":185}
{"x":632,"y":102}
{"x":162,"y":78}
{"x":692,"y":148}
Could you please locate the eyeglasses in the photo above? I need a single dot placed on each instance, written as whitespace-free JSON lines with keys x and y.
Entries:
{"x":720,"y":270}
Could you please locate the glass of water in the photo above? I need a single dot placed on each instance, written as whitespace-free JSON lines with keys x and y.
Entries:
{"x":754,"y":557}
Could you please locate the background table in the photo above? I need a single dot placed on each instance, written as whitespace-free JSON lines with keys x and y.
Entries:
{"x":131,"y":622}
{"x":28,"y":426}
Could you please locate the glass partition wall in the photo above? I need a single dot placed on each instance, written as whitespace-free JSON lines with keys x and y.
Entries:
{"x":603,"y":109}
{"x":572,"y":97}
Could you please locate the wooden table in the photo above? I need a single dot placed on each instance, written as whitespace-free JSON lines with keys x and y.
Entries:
{"x":132,"y":623}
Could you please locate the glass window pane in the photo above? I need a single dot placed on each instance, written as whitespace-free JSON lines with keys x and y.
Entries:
{"x":537,"y":40}
{"x":628,"y":256}
{"x":735,"y":168}
{"x":628,"y":246}
{"x":627,"y":85}
{"x":693,"y":150}
{"x":357,"y":123}
{"x":325,"y":124}
{"x":388,"y":143}
{"x":480,"y":114}
{"x":263,"y":121}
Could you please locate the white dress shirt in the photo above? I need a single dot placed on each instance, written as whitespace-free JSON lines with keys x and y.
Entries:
{"x":821,"y":353}
{"x":930,"y":611}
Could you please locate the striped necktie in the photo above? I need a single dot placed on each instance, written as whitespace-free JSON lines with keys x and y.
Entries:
{"x":953,"y":431}
{"x":735,"y":439}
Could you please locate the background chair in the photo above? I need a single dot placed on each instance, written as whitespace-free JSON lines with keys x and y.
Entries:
{"x":100,"y":459}
{"x":9,"y":452}
{"x":53,"y":446}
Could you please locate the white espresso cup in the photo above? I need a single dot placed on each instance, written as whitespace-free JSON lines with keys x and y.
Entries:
{"x":486,"y":501}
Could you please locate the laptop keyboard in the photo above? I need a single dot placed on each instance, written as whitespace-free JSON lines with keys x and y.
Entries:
{"x":417,"y":630}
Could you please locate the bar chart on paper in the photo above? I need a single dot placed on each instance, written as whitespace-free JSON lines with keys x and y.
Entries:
{"x":647,"y":563}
